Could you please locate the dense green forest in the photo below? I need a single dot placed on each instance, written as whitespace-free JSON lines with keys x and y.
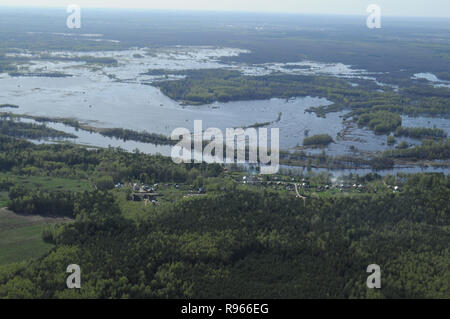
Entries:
{"x":247,"y":244}
{"x":238,"y":241}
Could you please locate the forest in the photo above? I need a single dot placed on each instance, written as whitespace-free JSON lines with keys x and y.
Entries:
{"x":207,"y":86}
{"x":246,"y":244}
{"x":236,"y":242}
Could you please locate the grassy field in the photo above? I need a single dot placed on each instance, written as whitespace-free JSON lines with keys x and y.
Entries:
{"x":20,"y":236}
{"x":46,"y":182}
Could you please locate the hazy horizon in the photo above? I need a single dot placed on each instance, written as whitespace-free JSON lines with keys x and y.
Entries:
{"x":400,"y":8}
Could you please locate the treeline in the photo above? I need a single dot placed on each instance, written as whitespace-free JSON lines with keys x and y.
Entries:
{"x":44,"y":203}
{"x":87,"y":59}
{"x":120,"y":133}
{"x":318,"y":140}
{"x":251,"y":244}
{"x":429,"y":150}
{"x":71,"y":161}
{"x":9,"y":105}
{"x":144,"y":137}
{"x":40,"y":74}
{"x":420,"y":132}
{"x":42,"y":119}
{"x":30,"y":130}
{"x":62,"y":203}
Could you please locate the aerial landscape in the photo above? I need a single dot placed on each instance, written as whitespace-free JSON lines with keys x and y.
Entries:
{"x":88,"y":175}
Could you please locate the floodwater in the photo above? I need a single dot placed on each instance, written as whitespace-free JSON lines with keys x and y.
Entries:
{"x":115,"y":96}
{"x":433,"y":79}
{"x":364,"y":171}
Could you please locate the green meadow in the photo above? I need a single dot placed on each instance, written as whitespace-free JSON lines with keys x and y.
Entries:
{"x":20,"y":236}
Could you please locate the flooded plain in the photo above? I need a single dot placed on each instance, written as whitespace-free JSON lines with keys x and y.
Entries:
{"x":113,"y":96}
{"x":121,"y":95}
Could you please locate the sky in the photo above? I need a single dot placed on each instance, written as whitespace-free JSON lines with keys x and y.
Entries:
{"x":426,"y":8}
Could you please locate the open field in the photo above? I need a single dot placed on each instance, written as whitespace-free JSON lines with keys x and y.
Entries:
{"x":42,"y":182}
{"x":20,"y":236}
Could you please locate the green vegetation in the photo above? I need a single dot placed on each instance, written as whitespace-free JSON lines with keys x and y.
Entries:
{"x":318,"y":140}
{"x":262,"y":124}
{"x":207,"y":86}
{"x":19,"y":129}
{"x":21,"y":237}
{"x":4,"y":198}
{"x":429,"y":150}
{"x":420,"y":132}
{"x":238,"y":240}
{"x":42,"y":203}
{"x":390,"y":140}
{"x":217,"y":245}
{"x":144,"y":137}
{"x":57,"y":180}
{"x":381,"y":122}
{"x":30,"y":130}
{"x":78,"y":163}
{"x":403,"y":145}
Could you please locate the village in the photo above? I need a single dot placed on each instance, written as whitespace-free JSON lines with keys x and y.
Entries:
{"x":301,"y":187}
{"x":139,"y":192}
